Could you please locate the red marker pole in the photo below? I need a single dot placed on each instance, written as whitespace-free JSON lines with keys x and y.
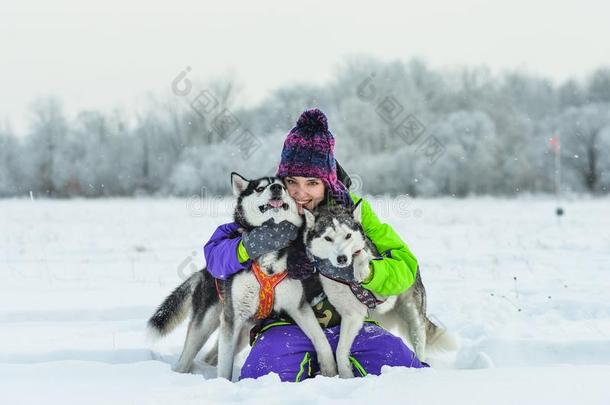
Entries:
{"x":555,"y":143}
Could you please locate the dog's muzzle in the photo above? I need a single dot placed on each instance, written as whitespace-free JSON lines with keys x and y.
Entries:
{"x":326,"y":268}
{"x":273,"y":204}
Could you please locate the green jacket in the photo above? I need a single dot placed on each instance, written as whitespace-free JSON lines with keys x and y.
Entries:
{"x":396,"y":272}
{"x":391,"y":275}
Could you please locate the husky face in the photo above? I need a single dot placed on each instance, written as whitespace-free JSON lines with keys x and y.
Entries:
{"x":261,"y":200}
{"x":335,"y":234}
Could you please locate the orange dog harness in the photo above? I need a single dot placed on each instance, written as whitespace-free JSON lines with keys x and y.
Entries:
{"x":267,"y":290}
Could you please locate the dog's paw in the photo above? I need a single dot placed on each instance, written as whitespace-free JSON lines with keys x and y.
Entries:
{"x":346,"y":371}
{"x":362,"y":270}
{"x":181,"y":368}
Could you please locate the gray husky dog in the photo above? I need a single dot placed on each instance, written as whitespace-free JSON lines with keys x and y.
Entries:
{"x":335,"y":240}
{"x":258,"y":201}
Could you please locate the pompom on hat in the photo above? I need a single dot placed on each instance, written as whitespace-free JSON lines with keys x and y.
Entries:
{"x":309,"y":152}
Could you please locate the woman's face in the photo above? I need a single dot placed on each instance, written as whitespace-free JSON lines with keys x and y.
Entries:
{"x":306,"y":191}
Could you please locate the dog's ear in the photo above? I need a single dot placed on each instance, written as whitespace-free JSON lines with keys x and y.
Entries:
{"x":310,"y":219}
{"x":357,"y":211}
{"x":238,"y":184}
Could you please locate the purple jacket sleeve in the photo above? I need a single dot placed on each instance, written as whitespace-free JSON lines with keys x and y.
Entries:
{"x":221,"y":252}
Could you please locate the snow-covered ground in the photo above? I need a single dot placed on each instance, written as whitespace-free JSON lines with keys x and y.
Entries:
{"x":526,"y":294}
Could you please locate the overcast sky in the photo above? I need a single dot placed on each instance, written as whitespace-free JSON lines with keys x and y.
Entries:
{"x":101,"y":54}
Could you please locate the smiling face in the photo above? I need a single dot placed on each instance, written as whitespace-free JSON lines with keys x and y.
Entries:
{"x":308,"y":192}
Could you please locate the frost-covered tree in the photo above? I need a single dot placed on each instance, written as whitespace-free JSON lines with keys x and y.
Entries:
{"x":599,"y":86}
{"x":42,"y":160}
{"x":469,"y":161}
{"x":585,"y":131}
{"x":10,"y":170}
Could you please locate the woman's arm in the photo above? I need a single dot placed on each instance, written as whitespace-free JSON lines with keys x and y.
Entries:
{"x":224,"y":252}
{"x":228,"y":251}
{"x":396,"y":271}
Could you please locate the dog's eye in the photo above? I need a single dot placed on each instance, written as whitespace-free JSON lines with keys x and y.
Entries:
{"x":260,"y":189}
{"x":328,"y":238}
{"x":349,"y":235}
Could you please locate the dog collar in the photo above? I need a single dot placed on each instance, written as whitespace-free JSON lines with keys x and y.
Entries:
{"x":362,"y":294}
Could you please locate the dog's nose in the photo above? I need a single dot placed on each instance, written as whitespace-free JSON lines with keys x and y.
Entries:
{"x":275,"y":188}
{"x":342,"y":259}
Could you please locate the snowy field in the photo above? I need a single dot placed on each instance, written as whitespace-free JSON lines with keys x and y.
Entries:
{"x":526,"y":294}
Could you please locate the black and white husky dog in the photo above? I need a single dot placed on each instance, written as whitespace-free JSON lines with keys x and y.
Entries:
{"x":335,"y":235}
{"x":257,"y":202}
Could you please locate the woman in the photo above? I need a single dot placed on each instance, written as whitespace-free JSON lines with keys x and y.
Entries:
{"x":309,"y":171}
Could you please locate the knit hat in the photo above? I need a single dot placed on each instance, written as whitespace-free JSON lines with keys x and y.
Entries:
{"x":309,"y":152}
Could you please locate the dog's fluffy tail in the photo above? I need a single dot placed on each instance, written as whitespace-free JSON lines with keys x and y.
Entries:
{"x":174,"y":308}
{"x":439,"y":339}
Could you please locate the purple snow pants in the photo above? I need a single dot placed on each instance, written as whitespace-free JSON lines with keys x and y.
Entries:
{"x":286,"y":350}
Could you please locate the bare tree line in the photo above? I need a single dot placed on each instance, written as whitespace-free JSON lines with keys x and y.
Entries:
{"x":489,"y":134}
